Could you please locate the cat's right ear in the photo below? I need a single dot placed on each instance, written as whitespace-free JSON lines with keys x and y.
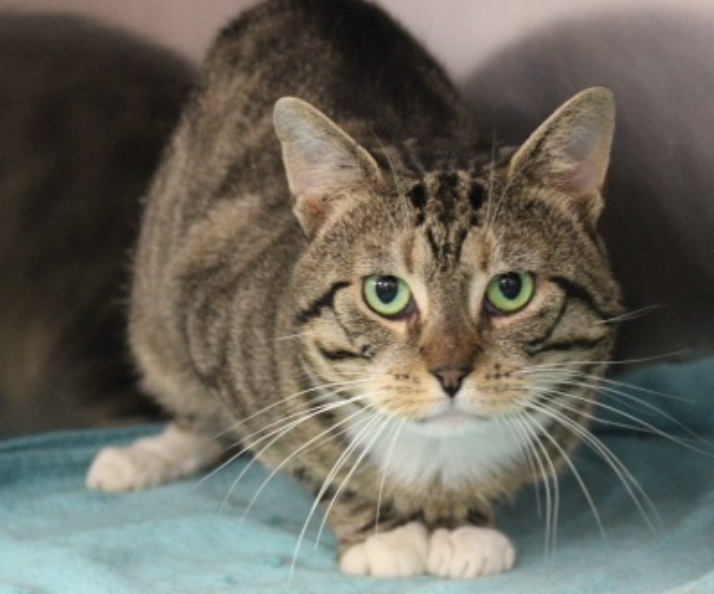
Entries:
{"x":324,"y":165}
{"x":571,"y":150}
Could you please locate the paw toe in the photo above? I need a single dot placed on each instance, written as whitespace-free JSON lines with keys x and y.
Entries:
{"x":354,"y":560}
{"x":398,"y":553}
{"x":469,"y":552}
{"x":124,"y":469}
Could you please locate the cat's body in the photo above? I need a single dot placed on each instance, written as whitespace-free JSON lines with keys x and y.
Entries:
{"x":377,"y":333}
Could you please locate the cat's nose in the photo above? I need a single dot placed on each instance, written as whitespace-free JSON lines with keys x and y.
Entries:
{"x":451,"y":378}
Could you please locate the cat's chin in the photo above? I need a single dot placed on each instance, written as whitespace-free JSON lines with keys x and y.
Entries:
{"x":451,"y":422}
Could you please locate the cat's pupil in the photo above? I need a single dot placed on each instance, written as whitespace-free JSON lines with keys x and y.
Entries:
{"x":387,"y":288}
{"x":510,"y":286}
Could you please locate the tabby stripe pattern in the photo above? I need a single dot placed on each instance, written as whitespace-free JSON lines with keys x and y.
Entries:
{"x":580,"y":344}
{"x":576,"y":291}
{"x":326,"y":300}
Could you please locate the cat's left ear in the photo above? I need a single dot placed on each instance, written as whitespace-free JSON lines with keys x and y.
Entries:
{"x":570,"y":151}
{"x":324,"y":165}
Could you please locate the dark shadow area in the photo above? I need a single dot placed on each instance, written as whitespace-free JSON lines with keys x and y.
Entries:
{"x":85,"y":112}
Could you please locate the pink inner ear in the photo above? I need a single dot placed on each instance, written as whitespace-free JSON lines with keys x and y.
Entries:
{"x":582,"y":179}
{"x":318,"y":168}
{"x":570,"y":151}
{"x":306,"y":179}
{"x":583,"y":141}
{"x":586,"y":163}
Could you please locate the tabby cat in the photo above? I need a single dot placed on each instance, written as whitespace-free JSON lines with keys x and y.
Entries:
{"x":337,"y":272}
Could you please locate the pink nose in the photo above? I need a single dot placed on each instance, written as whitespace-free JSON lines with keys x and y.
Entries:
{"x":451,"y":378}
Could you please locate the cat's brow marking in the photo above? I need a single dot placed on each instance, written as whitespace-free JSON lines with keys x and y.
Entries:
{"x":325,"y":300}
{"x":577,"y":291}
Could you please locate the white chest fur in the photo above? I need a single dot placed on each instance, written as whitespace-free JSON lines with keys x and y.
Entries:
{"x":454,"y":452}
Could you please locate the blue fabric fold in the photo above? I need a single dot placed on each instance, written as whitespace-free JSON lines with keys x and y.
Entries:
{"x":194,"y":536}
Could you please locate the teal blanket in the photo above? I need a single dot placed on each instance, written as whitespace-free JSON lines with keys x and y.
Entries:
{"x":57,"y":537}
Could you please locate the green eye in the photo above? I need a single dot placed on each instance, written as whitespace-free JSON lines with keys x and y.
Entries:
{"x":510,"y":292}
{"x":389,"y":296}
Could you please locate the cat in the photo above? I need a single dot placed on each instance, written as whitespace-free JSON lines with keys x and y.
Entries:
{"x":84,"y":113}
{"x":335,"y":270}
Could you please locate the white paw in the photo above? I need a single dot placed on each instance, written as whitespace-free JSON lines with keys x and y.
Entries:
{"x":127,"y":469}
{"x":151,"y":461}
{"x":401,"y":552}
{"x":469,"y":552}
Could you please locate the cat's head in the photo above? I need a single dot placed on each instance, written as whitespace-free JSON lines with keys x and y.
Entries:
{"x":451,"y":293}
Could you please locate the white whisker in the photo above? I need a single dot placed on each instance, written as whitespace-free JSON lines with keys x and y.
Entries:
{"x":568,"y":461}
{"x":653,"y":358}
{"x":383,"y":479}
{"x":325,"y":485}
{"x":596,"y":380}
{"x":321,"y":438}
{"x":631,"y":484}
{"x":281,"y":423}
{"x":552,"y":499}
{"x":632,"y":315}
{"x":629,"y":398}
{"x":510,"y":421}
{"x":282,"y":401}
{"x":346,"y":480}
{"x":281,"y":432}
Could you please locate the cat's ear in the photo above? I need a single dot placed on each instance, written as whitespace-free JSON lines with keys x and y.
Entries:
{"x":570,"y":151}
{"x":324,"y":165}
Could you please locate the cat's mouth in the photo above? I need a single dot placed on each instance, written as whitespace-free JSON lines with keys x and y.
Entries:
{"x":451,"y":422}
{"x":453,"y":417}
{"x":450,"y":418}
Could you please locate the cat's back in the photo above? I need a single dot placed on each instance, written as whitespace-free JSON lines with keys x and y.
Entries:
{"x":348,"y":58}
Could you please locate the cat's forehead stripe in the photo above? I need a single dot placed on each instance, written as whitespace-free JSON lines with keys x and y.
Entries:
{"x":446,"y":197}
{"x":477,"y":196}
{"x":443,"y":196}
{"x":446,"y":205}
{"x":417,"y":196}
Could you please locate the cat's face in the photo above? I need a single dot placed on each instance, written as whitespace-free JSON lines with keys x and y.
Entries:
{"x":445,"y":297}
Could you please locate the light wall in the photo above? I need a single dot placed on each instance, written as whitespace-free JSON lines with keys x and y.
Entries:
{"x":461,"y":33}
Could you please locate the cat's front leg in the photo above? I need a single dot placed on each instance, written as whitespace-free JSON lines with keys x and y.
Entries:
{"x":388,"y":548}
{"x":379,"y":543}
{"x":173,"y":454}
